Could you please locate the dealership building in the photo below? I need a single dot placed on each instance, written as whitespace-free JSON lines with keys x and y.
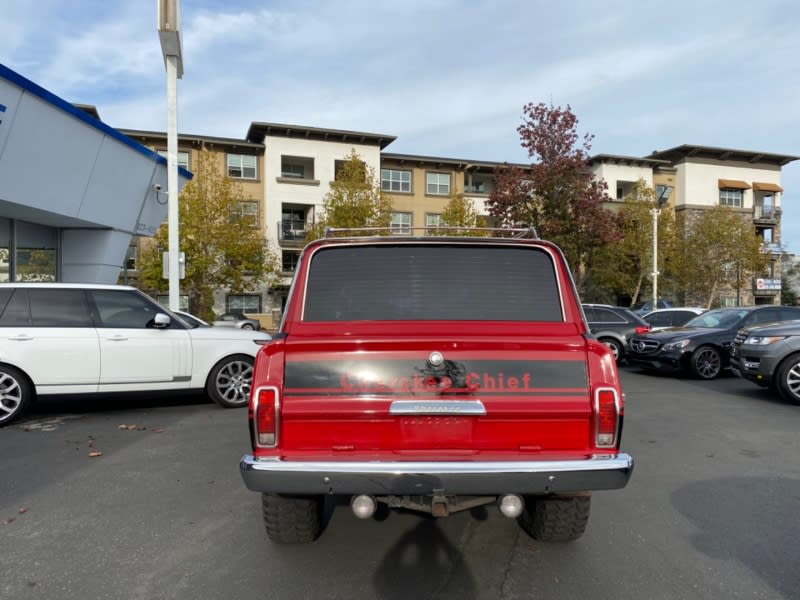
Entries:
{"x":73,"y":191}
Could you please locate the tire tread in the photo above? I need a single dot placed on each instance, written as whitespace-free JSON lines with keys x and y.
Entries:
{"x":561,"y":519}
{"x":292,"y":519}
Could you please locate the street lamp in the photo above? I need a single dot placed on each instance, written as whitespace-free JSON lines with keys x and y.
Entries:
{"x":663,"y":192}
{"x":170,"y":38}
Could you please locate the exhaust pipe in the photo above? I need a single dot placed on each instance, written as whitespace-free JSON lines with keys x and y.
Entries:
{"x":363,"y":506}
{"x":511,"y":505}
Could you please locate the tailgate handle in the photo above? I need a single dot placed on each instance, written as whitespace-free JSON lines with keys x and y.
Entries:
{"x":437,"y":407}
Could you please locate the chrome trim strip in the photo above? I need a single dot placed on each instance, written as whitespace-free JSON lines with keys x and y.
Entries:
{"x":437,"y":407}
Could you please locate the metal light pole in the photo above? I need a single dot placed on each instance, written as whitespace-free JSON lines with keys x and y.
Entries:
{"x":655,"y":212}
{"x":170,"y":38}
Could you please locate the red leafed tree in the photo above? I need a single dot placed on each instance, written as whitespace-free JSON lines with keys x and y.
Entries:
{"x":557,"y":194}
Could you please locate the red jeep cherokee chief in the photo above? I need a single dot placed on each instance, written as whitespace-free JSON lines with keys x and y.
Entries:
{"x":436,"y":374}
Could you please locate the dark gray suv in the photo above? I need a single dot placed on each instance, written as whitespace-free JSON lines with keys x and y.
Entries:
{"x":769,"y":356}
{"x":614,"y":326}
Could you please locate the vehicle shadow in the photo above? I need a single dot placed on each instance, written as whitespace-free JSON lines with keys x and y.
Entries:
{"x":423,"y":554}
{"x":749,"y":519}
{"x":47,"y":406}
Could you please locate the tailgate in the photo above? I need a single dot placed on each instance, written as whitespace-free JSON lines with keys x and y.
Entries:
{"x":430,"y":396}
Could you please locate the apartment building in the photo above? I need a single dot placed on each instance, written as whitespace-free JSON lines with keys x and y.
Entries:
{"x":695,"y":178}
{"x":239,"y":159}
{"x":286,"y":171}
{"x":421,"y":186}
{"x":299,"y":165}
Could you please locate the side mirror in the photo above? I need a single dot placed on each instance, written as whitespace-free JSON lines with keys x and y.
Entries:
{"x":161,"y":320}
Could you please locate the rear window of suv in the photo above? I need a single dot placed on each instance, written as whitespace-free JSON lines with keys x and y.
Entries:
{"x":418,"y":282}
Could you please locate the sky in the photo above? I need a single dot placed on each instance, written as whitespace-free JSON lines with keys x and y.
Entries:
{"x":448,"y":78}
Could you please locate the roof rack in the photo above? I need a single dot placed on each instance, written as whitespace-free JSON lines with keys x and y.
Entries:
{"x":491,"y":232}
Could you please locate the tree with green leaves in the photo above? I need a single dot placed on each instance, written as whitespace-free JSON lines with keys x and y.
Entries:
{"x":355,"y":200}
{"x":558,"y":195}
{"x":629,"y":264}
{"x":719,"y":250}
{"x":224,"y":247}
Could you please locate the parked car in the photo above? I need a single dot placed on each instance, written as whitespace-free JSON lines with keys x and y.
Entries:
{"x":642,"y":308}
{"x":237,"y":319}
{"x":190,"y":319}
{"x":769,"y":355}
{"x":614,"y":326}
{"x":702,"y":346}
{"x":84,"y":339}
{"x":661,"y":318}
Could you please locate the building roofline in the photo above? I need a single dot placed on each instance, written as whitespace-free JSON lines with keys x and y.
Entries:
{"x":81,"y":114}
{"x":751,"y":156}
{"x":440,"y":160}
{"x":628,"y":160}
{"x":259,"y":130}
{"x":188,"y":137}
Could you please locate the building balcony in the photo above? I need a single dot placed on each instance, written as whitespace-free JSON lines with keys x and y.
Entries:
{"x":767,"y":215}
{"x":292,"y":232}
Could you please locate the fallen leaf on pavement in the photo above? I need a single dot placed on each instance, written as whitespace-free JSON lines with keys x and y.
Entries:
{"x":95,"y":453}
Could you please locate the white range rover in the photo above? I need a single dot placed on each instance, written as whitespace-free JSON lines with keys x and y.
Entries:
{"x":63,"y":338}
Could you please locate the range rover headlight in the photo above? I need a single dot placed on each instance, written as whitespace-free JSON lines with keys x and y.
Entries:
{"x":679,"y":345}
{"x":763,"y":340}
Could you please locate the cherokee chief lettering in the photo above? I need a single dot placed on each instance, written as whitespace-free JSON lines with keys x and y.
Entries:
{"x":496,"y":382}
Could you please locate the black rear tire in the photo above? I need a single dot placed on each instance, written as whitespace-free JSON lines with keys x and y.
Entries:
{"x":16,"y":394}
{"x":558,"y":519}
{"x":292,"y":519}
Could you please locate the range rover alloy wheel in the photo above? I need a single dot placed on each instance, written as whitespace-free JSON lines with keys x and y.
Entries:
{"x":706,"y":362}
{"x":15,"y":394}
{"x":788,"y":379}
{"x":229,"y":382}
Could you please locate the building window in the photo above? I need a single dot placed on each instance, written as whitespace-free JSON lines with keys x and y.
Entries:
{"x":183,"y":158}
{"x":401,"y":223}
{"x":244,"y":303}
{"x":242,"y":166}
{"x":246,"y":211}
{"x":730,"y":197}
{"x":289,"y":261}
{"x":432,"y":220}
{"x":438,"y":184}
{"x":393,"y":180}
{"x":297,"y":167}
{"x":290,"y":170}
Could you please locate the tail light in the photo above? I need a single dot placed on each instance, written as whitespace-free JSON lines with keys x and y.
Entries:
{"x":266,"y":409}
{"x":607,"y":416}
{"x":642,"y":328}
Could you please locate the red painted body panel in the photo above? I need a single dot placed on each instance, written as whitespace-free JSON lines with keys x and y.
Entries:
{"x":337,"y":382}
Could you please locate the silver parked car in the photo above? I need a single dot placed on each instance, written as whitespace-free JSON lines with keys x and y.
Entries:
{"x":237,"y":319}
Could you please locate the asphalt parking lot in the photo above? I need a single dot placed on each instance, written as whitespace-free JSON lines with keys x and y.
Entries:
{"x":142,"y":499}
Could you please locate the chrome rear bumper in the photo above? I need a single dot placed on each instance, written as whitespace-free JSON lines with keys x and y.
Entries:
{"x":273,"y":475}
